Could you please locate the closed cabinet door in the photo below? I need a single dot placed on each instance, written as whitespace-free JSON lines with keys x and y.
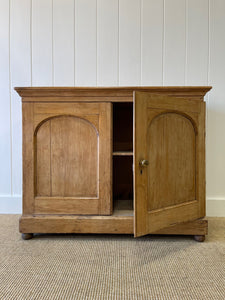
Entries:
{"x":169,"y":161}
{"x":71,"y":158}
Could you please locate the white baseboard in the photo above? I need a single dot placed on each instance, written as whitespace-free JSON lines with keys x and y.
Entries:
{"x":10,"y":204}
{"x":215,"y":207}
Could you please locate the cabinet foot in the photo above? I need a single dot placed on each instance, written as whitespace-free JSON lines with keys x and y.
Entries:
{"x":199,"y":238}
{"x":27,"y":236}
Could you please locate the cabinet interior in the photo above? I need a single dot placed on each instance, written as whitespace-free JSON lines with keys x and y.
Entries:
{"x":123,"y":158}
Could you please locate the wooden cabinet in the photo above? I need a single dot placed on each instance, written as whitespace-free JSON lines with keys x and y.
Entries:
{"x":70,"y":159}
{"x":114,"y":160}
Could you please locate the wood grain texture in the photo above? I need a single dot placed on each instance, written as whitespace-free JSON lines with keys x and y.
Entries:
{"x":43,"y":160}
{"x":74,"y":157}
{"x":168,"y":131}
{"x":28,"y":159}
{"x":196,"y":92}
{"x":67,"y":157}
{"x":66,"y":205}
{"x":105,"y":158}
{"x":140,"y":181}
{"x":122,"y":153}
{"x":70,"y":154}
{"x":171,"y":155}
{"x":197,"y":227}
{"x":175,"y":176}
{"x":77,"y":224}
{"x":101,"y":224}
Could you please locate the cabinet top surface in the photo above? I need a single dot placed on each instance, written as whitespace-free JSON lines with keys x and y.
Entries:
{"x":110,"y":92}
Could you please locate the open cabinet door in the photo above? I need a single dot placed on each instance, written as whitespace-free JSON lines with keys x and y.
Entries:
{"x":169,"y":161}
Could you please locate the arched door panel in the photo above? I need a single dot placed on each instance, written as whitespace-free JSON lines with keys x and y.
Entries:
{"x":66,"y":165}
{"x":169,"y":161}
{"x":72,"y":162}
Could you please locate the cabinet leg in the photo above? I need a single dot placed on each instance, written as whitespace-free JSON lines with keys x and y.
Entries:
{"x":199,"y":238}
{"x":27,"y":236}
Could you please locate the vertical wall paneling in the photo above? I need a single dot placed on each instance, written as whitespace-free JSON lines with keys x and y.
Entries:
{"x":110,"y":43}
{"x":197,"y":42}
{"x":152,"y":42}
{"x":107,"y":42}
{"x":175,"y":42}
{"x":20,"y":67}
{"x":42,"y":67}
{"x":5,"y":134}
{"x":85,"y":43}
{"x":129,"y":42}
{"x":63,"y":42}
{"x":216,"y":105}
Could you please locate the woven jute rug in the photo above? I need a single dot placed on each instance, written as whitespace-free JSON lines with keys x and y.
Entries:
{"x":111,"y":267}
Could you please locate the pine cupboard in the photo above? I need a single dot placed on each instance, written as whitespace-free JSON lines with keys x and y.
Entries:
{"x":128,"y":160}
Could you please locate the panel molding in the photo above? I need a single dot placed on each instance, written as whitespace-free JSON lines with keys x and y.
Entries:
{"x":55,"y":152}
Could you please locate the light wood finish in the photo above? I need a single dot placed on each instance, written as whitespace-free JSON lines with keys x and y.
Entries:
{"x":77,"y":224}
{"x":75,"y":138}
{"x":123,"y":207}
{"x":118,"y":223}
{"x":28,"y":159}
{"x":66,"y":205}
{"x":169,"y":134}
{"x":43,"y":160}
{"x":122,"y":153}
{"x":71,"y":160}
{"x":196,"y":227}
{"x":69,"y":151}
{"x":171,"y":155}
{"x":196,"y":92}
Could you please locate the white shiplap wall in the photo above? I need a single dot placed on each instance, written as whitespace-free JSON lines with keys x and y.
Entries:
{"x":110,"y":43}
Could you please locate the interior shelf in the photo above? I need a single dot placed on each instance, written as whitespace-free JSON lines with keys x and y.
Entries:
{"x":123,"y":153}
{"x":123,"y":159}
{"x":123,"y":208}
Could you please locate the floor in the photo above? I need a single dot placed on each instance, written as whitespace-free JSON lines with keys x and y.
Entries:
{"x":111,"y":267}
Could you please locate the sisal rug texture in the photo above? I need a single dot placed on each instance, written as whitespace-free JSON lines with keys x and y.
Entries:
{"x":111,"y":267}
